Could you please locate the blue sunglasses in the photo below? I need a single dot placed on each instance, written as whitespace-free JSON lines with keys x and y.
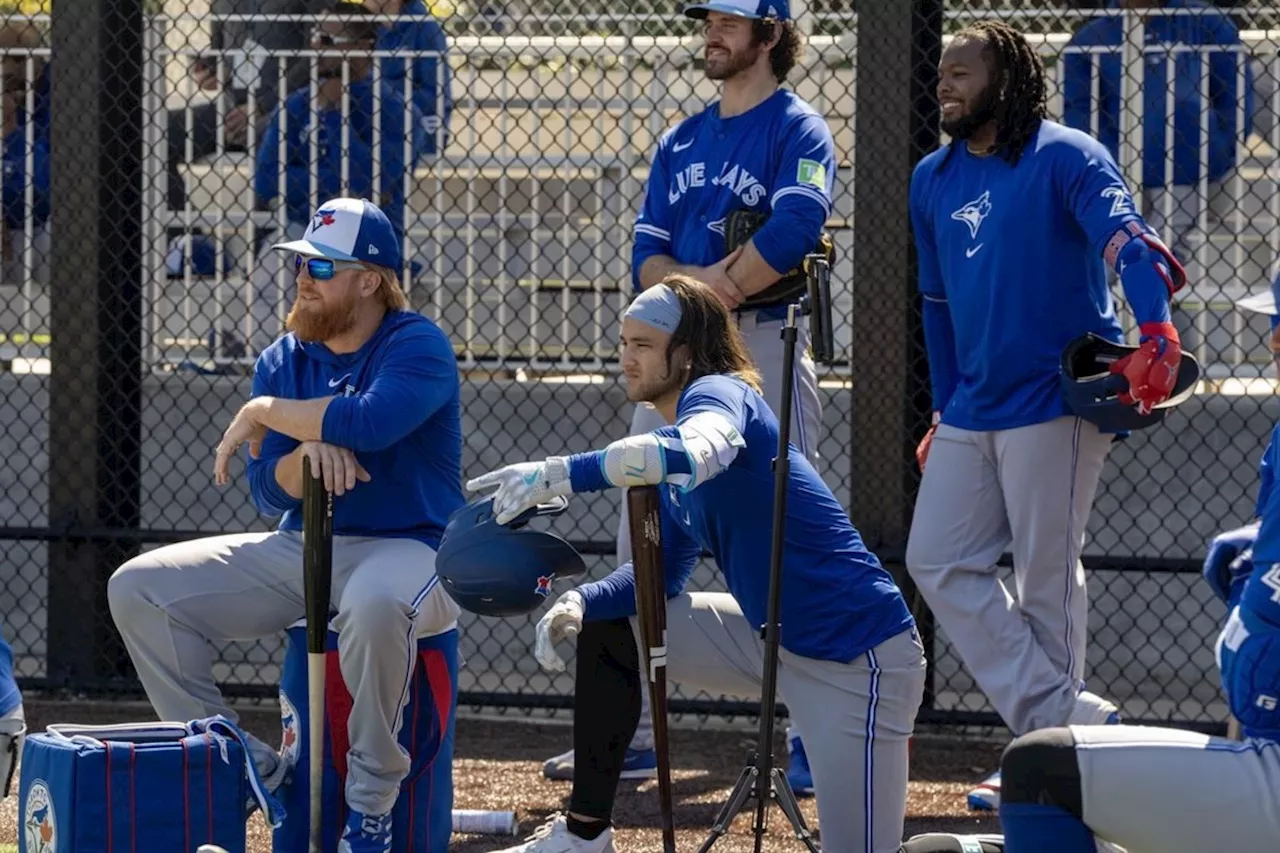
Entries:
{"x":323,"y":269}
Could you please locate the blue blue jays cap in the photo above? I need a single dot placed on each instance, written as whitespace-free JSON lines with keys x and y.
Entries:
{"x":776,"y":9}
{"x":349,"y":229}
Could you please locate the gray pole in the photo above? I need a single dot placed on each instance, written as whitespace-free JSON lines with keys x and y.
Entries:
{"x":96,"y":374}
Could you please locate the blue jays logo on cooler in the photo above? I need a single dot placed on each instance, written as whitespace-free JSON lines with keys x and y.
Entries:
{"x":289,"y":734}
{"x":38,"y":820}
{"x":973,"y":213}
{"x":544,"y":585}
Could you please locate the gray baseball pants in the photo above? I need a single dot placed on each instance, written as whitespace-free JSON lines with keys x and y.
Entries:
{"x":168,"y":604}
{"x":1028,"y":491}
{"x":857,"y":717}
{"x":764,"y":340}
{"x":1174,"y":791}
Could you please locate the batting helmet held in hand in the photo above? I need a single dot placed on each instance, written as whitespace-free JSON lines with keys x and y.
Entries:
{"x":493,"y":569}
{"x":1092,"y":390}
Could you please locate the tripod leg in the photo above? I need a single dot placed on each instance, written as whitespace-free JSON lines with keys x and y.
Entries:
{"x":737,"y":798}
{"x":791,"y":808}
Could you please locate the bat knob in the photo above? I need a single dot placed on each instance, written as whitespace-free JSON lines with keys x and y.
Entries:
{"x":570,"y":631}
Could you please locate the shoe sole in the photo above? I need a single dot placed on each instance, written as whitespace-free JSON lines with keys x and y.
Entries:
{"x":567,"y":774}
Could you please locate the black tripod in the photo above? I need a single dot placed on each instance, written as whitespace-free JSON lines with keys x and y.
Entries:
{"x":760,"y":777}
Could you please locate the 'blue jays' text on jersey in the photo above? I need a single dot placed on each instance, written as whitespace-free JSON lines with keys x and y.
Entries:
{"x":1248,"y":648}
{"x":392,"y":115}
{"x":1017,"y":252}
{"x":837,"y":600}
{"x":397,"y":407}
{"x":777,"y":157}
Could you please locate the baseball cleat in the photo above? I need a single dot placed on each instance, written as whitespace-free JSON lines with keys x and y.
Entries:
{"x":1092,"y":710}
{"x":798,"y":775}
{"x":366,"y":833}
{"x":637,"y":764}
{"x":986,"y":797}
{"x":554,"y":837}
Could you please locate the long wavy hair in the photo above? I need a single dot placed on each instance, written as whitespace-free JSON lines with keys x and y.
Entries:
{"x":706,"y":328}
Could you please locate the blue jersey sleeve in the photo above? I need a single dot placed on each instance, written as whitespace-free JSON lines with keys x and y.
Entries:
{"x":652,"y":230}
{"x":802,"y":193}
{"x":939,"y":336}
{"x":1103,"y":206}
{"x":614,"y":596}
{"x":267,"y":495}
{"x":415,"y":378}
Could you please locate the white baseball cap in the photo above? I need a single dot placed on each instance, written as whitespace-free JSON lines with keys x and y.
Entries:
{"x":776,"y":9}
{"x":349,"y":229}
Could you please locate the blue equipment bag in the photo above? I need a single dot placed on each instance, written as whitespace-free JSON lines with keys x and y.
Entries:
{"x":422,"y":818}
{"x":136,"y":788}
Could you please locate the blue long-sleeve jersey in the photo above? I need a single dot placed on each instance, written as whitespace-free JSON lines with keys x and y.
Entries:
{"x":1248,"y":649}
{"x":430,"y":86}
{"x":837,"y":600}
{"x":396,"y":133}
{"x":1227,"y":73}
{"x":397,"y":407}
{"x":1013,"y":266}
{"x":777,"y":157}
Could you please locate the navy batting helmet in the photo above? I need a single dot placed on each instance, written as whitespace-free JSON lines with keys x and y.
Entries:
{"x":494,"y":569}
{"x":1092,"y":390}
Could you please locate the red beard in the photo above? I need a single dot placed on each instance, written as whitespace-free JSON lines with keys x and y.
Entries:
{"x":321,"y":323}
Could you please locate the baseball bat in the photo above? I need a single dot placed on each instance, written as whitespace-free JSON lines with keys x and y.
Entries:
{"x":317,"y":572}
{"x":644,"y":520}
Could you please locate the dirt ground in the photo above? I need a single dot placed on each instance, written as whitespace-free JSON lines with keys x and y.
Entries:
{"x":497,"y":765}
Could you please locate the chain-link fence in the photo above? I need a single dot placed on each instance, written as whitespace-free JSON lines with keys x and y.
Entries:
{"x":153,"y":153}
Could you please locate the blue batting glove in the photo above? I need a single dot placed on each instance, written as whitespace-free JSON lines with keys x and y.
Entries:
{"x":1230,"y":560}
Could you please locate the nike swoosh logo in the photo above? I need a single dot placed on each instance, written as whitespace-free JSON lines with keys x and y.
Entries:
{"x":532,"y":477}
{"x":969,"y":253}
{"x":334,"y":383}
{"x":678,"y":147}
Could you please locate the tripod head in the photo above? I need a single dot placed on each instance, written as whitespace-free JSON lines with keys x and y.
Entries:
{"x":815,"y":303}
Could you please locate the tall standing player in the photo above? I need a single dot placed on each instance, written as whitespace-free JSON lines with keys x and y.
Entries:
{"x":1017,"y":222}
{"x":762,"y":148}
{"x":850,"y":663}
{"x":368,"y":391}
{"x":1081,"y":789}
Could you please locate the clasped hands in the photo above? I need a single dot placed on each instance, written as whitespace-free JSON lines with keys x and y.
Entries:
{"x":337,"y":466}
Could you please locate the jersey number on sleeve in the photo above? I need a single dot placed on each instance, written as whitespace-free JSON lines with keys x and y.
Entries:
{"x":1272,"y":579}
{"x":1120,"y":202}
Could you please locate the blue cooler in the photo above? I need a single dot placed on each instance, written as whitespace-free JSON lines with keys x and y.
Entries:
{"x":422,"y":820}
{"x":136,"y":788}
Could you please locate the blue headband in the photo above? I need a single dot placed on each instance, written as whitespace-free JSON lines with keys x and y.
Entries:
{"x":658,"y":307}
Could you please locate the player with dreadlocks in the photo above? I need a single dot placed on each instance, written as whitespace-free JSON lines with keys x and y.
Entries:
{"x":1018,"y":220}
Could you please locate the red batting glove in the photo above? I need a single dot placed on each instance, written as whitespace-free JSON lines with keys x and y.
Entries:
{"x":1153,"y":369}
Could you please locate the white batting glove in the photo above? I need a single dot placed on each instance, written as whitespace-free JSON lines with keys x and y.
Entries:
{"x":524,"y":485}
{"x":564,"y":619}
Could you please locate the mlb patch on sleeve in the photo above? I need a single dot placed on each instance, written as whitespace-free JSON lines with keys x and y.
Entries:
{"x":813,"y":173}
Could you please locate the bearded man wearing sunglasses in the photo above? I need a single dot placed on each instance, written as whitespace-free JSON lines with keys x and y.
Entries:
{"x":368,"y":391}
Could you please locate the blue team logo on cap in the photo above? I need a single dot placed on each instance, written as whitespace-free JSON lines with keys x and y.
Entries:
{"x":38,"y":820}
{"x":323,"y":218}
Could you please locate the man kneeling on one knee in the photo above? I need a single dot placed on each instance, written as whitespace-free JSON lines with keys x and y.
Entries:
{"x":368,"y":391}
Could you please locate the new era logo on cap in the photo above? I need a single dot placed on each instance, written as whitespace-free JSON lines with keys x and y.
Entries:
{"x":349,"y":229}
{"x":776,"y":9}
